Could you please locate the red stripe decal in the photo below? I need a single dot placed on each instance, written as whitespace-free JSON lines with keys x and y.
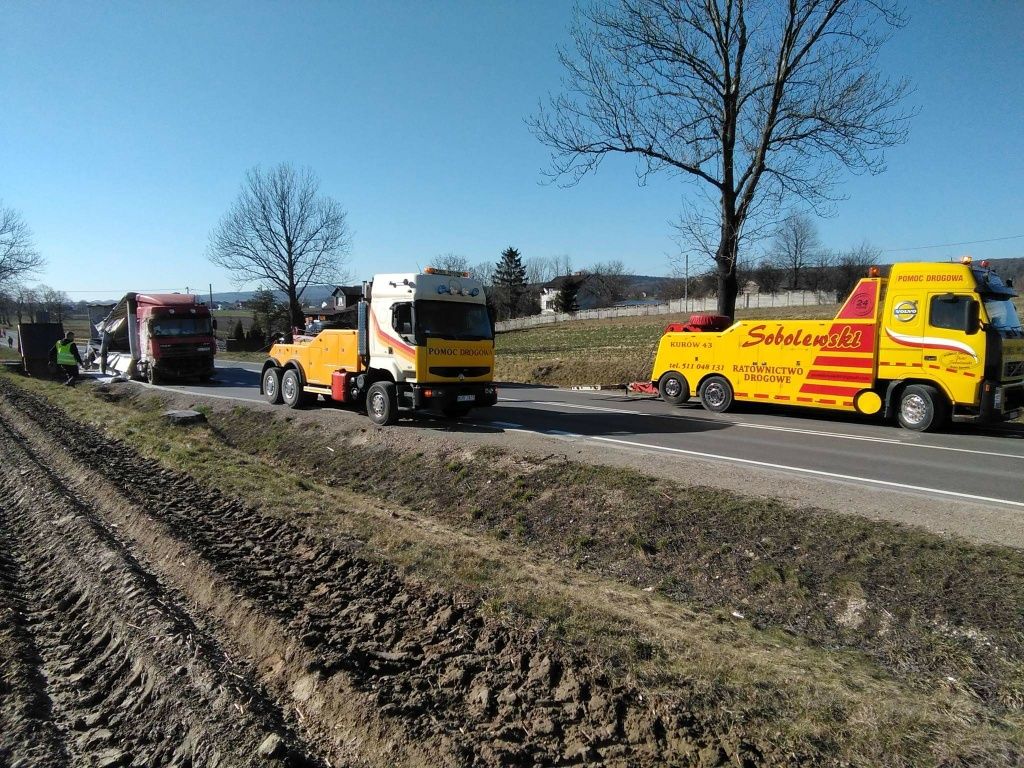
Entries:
{"x":842,"y":376}
{"x":845,"y":362}
{"x":827,"y":402}
{"x":861,"y":304}
{"x":805,"y":399}
{"x":758,"y":394}
{"x":825,"y":389}
{"x":782,"y":397}
{"x":972,"y":375}
{"x":848,"y":403}
{"x":742,"y":394}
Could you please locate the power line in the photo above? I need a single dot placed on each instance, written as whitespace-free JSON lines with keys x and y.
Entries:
{"x":950,"y":245}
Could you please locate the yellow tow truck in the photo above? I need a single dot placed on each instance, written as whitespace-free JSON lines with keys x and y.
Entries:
{"x":928,"y":342}
{"x":423,"y":341}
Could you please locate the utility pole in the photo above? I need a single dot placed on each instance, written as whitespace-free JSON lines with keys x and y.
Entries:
{"x":686,"y":281}
{"x":211,"y":295}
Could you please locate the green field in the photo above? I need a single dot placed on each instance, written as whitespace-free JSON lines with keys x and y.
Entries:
{"x":606,"y":352}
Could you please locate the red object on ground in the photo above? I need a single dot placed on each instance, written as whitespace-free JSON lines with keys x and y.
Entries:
{"x":643,"y":387}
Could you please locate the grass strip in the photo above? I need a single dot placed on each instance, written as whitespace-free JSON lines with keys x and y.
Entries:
{"x":868,"y":641}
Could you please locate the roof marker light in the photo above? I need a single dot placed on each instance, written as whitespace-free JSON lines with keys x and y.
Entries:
{"x":966,"y":259}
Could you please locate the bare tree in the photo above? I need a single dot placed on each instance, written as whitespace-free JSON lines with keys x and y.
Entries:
{"x":607,"y":281}
{"x":755,"y":101}
{"x":25,"y":302}
{"x":484,"y":272}
{"x":18,"y":255}
{"x":539,"y":269}
{"x":819,"y":274}
{"x":561,"y":264}
{"x":282,"y":232}
{"x":852,"y":265}
{"x":795,"y":247}
{"x":452,"y":262}
{"x":53,"y":301}
{"x":767,"y":275}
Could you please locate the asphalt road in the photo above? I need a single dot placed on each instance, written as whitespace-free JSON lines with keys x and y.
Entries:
{"x":967,"y":463}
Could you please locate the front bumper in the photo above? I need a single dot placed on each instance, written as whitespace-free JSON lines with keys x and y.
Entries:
{"x":184,"y":367}
{"x":450,"y":395}
{"x":1001,"y":402}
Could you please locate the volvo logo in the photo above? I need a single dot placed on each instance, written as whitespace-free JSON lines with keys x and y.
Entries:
{"x":905,"y":311}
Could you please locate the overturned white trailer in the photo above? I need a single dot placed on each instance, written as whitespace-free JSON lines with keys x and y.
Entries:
{"x":156,"y":337}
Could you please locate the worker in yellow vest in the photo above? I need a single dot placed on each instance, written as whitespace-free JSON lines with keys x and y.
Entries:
{"x":68,"y":358}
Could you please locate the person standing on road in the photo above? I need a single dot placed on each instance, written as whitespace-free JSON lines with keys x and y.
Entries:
{"x":68,"y":358}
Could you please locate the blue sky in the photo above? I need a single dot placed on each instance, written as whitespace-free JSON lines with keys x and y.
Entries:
{"x":126,"y":130}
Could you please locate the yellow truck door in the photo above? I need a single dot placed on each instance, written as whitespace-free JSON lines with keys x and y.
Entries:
{"x":956,"y":355}
{"x":899,"y":349}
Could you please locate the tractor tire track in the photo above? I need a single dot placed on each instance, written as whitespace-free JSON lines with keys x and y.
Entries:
{"x":112,"y":671}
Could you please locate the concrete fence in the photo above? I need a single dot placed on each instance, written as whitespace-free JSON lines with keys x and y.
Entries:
{"x":676,"y":306}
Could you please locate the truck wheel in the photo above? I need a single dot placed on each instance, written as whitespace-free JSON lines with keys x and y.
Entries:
{"x":291,"y":389}
{"x":716,"y":394}
{"x":922,"y":408}
{"x":272,"y":385}
{"x":152,"y":375}
{"x":382,"y":403}
{"x":673,"y":388}
{"x":455,"y":411}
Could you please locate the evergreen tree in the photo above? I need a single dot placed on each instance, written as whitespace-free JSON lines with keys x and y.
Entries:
{"x":565,"y":299}
{"x":509,"y":283}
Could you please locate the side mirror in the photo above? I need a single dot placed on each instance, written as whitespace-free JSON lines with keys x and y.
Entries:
{"x":972,"y":317}
{"x":215,"y":323}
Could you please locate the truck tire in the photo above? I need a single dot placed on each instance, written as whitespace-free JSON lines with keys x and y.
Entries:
{"x":673,"y":388}
{"x":382,"y":403}
{"x":152,"y":375}
{"x":272,"y":385}
{"x":291,"y":389}
{"x":716,"y":394}
{"x":922,"y":408}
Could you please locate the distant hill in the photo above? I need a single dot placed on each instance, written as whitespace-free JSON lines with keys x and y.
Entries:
{"x":313,"y":295}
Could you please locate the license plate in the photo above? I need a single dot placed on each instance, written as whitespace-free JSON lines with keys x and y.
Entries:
{"x":466,"y":398}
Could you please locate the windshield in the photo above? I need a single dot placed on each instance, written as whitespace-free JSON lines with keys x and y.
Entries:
{"x":452,"y":320}
{"x":181,"y":326}
{"x":1002,"y":314}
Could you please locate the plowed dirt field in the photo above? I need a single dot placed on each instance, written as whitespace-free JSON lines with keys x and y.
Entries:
{"x":147,"y":620}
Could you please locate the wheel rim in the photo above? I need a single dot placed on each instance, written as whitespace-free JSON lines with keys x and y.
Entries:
{"x":288,"y":388}
{"x":913,"y":409}
{"x":714,"y":394}
{"x":672,"y":387}
{"x":377,"y":405}
{"x":270,"y":386}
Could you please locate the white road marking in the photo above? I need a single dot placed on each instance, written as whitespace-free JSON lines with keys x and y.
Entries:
{"x":818,"y":472}
{"x":783,"y":467}
{"x":889,"y":440}
{"x":796,"y":430}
